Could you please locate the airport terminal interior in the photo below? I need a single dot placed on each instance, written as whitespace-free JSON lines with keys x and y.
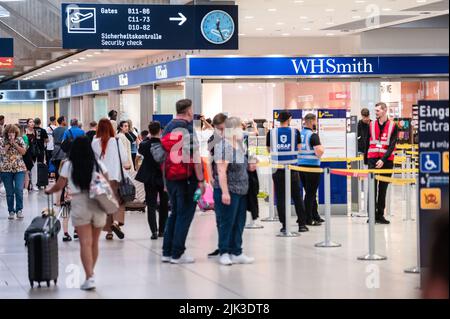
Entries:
{"x":316,"y":163}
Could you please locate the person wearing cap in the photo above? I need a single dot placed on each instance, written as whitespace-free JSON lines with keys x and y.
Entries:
{"x":311,"y":151}
{"x":283,"y":143}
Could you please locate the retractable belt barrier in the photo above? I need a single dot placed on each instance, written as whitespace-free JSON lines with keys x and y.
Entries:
{"x":396,"y":181}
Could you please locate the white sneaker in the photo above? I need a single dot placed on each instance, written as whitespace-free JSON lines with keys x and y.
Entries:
{"x":11,"y":216}
{"x":25,"y":192}
{"x":183,"y":260}
{"x":165,"y":259}
{"x":35,"y":188}
{"x":225,"y":260}
{"x":20,"y":214}
{"x":89,"y":284}
{"x":242,"y":259}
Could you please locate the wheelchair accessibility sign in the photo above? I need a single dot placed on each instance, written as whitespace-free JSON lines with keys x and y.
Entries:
{"x":430,"y":162}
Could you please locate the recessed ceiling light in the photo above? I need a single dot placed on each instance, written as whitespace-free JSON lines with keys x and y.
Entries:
{"x":298,"y":1}
{"x":82,"y":58}
{"x":386,"y":9}
{"x":75,"y":61}
{"x":89,"y":55}
{"x":356,"y":17}
{"x":272,"y":10}
{"x":259,"y":29}
{"x":421,"y":1}
{"x":304,"y":17}
{"x":329,"y":10}
{"x":330,"y":23}
{"x":52,"y":69}
{"x":58,"y":67}
{"x":360,"y":1}
{"x":242,"y":34}
{"x":306,"y":29}
{"x":249,"y":17}
{"x":97,"y":52}
{"x":286,"y":34}
{"x":330,"y":34}
{"x":280,"y":23}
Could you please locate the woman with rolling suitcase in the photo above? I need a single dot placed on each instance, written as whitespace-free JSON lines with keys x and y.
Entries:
{"x":86,"y":215}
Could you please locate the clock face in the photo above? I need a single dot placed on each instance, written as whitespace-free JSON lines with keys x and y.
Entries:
{"x":217,"y":27}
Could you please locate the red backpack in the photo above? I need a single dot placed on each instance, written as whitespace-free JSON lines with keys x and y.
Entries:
{"x":174,"y":167}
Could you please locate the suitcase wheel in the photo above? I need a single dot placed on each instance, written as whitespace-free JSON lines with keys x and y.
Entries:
{"x":32,"y":283}
{"x":48,"y":283}
{"x":55,"y":281}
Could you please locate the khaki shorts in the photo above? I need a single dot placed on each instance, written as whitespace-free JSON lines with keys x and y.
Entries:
{"x":86,"y":211}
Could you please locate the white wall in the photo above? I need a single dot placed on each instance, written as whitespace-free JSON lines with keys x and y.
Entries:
{"x":131,"y":108}
{"x":211,"y":99}
{"x":405,"y":41}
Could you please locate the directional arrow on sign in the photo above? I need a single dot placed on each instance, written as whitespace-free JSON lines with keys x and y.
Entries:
{"x":181,"y":18}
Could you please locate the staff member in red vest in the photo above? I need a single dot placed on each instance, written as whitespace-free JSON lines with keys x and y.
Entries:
{"x":380,"y":154}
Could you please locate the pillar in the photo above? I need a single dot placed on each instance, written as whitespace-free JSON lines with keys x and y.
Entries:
{"x":147,"y":105}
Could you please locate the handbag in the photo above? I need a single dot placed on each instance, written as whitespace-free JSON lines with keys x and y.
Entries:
{"x":127,"y":190}
{"x":101,"y":191}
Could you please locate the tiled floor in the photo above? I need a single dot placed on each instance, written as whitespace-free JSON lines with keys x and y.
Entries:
{"x":284,"y":268}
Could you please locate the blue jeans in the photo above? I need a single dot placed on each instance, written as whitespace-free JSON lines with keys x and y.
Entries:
{"x":181,"y":194}
{"x":231,"y":220}
{"x":14,"y":187}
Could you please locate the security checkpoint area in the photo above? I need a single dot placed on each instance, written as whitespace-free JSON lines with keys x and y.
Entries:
{"x":224,"y":153}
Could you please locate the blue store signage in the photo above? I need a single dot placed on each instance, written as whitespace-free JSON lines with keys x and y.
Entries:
{"x":130,"y":26}
{"x":318,"y":66}
{"x":434,"y":170}
{"x":156,"y":73}
{"x":6,"y":47}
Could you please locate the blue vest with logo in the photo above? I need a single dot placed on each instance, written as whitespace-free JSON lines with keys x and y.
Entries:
{"x":307,"y":156}
{"x":283,"y":145}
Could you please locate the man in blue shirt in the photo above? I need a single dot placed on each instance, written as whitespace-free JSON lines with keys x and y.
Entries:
{"x":74,"y":131}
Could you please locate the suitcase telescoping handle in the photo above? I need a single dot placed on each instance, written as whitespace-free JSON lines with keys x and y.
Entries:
{"x":51,"y":218}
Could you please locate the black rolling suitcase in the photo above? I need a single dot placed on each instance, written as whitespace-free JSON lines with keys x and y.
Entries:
{"x":42,"y":175}
{"x":43,"y":253}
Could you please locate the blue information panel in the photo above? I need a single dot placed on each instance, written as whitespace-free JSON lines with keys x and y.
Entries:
{"x":434,"y":168}
{"x":171,"y":27}
{"x":6,"y":47}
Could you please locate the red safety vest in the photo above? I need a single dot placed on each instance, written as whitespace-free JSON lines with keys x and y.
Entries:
{"x":379,"y":141}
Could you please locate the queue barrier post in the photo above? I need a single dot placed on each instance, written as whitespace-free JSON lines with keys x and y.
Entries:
{"x":327,"y":243}
{"x":272,"y":217}
{"x":408,"y":192}
{"x":287,"y":187}
{"x":416,"y":269}
{"x":372,"y":255}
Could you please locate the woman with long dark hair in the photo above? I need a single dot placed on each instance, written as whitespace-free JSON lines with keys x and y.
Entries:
{"x":107,"y":149}
{"x":87,"y":217}
{"x":31,"y":155}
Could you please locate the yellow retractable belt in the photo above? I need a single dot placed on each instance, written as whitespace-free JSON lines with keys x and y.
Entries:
{"x":395,"y":181}
{"x":341,"y":159}
{"x":378,"y":171}
{"x":305,"y":169}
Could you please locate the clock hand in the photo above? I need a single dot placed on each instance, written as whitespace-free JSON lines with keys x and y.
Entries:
{"x":218,"y":29}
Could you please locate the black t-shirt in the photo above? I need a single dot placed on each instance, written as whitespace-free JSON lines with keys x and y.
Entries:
{"x":91,"y":134}
{"x":298,"y":138}
{"x":41,"y":136}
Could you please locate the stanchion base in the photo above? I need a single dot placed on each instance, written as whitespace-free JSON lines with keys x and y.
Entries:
{"x":327,"y":244}
{"x":270,"y":219}
{"x":409,"y":220}
{"x":412,"y":270}
{"x":360,"y":215}
{"x":288,"y":234}
{"x":254,"y":226}
{"x":372,"y":257}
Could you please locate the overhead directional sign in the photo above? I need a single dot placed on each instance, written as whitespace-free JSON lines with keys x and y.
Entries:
{"x":157,"y":27}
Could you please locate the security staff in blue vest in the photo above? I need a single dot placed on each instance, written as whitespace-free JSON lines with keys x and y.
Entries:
{"x":283,"y":144}
{"x":310,"y":153}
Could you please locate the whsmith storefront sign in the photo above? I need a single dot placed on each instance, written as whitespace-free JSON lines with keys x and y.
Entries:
{"x":317,"y":66}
